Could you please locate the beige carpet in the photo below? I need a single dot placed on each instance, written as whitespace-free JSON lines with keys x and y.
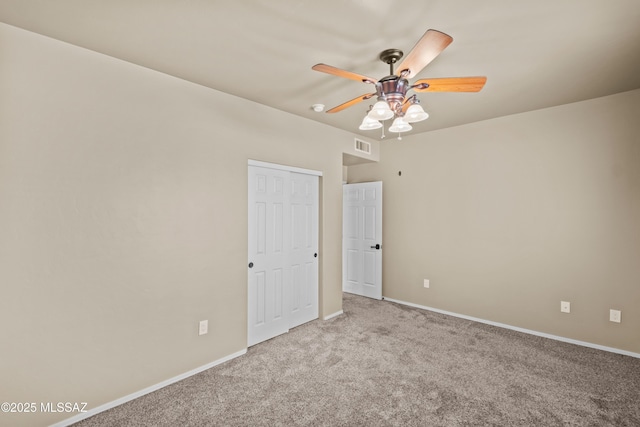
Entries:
{"x":383,"y":364}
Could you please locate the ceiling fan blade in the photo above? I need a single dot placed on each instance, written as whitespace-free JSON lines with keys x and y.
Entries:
{"x":428,"y":47}
{"x":324,"y":68}
{"x":450,"y":84}
{"x":348,"y":104}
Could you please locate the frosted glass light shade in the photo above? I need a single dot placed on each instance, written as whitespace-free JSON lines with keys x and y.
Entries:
{"x":415,"y":113}
{"x":380,"y":111}
{"x":400,"y":125}
{"x":368,"y":124}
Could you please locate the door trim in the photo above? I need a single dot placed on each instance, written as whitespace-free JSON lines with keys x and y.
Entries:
{"x":276,"y":166}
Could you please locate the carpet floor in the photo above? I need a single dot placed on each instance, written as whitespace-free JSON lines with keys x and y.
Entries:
{"x":385,"y":364}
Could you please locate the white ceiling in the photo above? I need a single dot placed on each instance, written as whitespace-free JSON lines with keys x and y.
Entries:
{"x":535,"y":54}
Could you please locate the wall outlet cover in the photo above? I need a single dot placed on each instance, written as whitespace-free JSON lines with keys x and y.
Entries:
{"x":426,"y":283}
{"x":203,"y":327}
{"x":565,"y":306}
{"x":615,"y":316}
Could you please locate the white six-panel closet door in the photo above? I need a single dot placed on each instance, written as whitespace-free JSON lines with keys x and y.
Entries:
{"x":283,"y":251}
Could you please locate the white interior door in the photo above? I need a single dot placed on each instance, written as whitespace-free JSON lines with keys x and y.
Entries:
{"x":268,"y":295}
{"x":304,"y":248}
{"x":283,"y":251}
{"x":362,"y":239}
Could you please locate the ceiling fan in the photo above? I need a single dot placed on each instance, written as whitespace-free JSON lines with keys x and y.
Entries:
{"x":391,"y":91}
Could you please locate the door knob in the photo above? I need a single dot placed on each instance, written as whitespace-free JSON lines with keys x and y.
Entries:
{"x":315,"y":255}
{"x":377,"y":246}
{"x":250,"y":265}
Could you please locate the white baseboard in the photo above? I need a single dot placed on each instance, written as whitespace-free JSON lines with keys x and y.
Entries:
{"x":515,"y":328}
{"x":147,"y":390}
{"x":331,"y":316}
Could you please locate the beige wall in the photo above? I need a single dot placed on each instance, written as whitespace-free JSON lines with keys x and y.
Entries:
{"x":510,"y":216}
{"x":123,"y":221}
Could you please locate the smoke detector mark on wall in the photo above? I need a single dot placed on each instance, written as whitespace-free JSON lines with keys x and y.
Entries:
{"x":362,"y":146}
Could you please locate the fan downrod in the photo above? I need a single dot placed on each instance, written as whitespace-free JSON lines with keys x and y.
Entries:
{"x":391,"y":56}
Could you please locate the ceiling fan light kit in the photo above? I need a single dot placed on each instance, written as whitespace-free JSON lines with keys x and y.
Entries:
{"x":391,"y":91}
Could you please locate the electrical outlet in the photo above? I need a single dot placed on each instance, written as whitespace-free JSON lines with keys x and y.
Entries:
{"x":615,"y":316}
{"x":204,"y":327}
{"x":565,"y":306}
{"x":426,"y":283}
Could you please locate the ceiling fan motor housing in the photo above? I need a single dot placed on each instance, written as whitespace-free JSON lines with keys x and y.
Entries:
{"x":393,"y":90}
